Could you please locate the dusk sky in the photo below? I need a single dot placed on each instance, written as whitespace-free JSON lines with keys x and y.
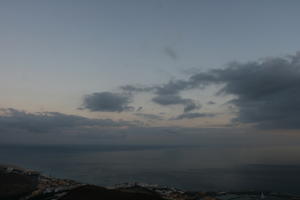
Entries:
{"x":159,"y":71}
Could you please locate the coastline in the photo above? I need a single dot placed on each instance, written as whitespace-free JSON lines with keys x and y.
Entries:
{"x":17,"y":183}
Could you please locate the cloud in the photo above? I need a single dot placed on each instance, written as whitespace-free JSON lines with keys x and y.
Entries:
{"x":211,"y":103}
{"x":149,"y":116}
{"x":189,"y":104}
{"x":107,"y":102}
{"x":170,"y":100}
{"x":193,"y":116}
{"x":139,"y":108}
{"x":166,"y":94}
{"x":266,"y":92}
{"x":136,"y":88}
{"x":173,"y":87}
{"x":43,"y":122}
{"x":52,"y":127}
{"x":20,"y":127}
{"x":170,"y":52}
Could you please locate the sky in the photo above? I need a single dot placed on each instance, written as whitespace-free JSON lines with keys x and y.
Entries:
{"x":160,"y":71}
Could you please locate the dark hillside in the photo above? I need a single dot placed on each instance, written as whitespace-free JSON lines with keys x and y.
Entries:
{"x":99,"y":193}
{"x":13,"y":186}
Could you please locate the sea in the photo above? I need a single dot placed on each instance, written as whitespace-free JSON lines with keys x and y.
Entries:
{"x":194,"y":168}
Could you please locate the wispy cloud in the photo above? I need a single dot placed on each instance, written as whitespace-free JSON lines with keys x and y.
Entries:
{"x":170,"y":52}
{"x":149,"y":116}
{"x":193,"y":116}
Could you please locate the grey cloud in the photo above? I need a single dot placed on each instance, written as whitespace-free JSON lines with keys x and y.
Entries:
{"x":189,"y":104}
{"x":211,"y":103}
{"x":172,"y":87}
{"x":266,"y":91}
{"x":166,"y":94}
{"x":192,"y":116}
{"x":20,"y":127}
{"x":136,"y":88}
{"x":170,"y":52}
{"x":170,"y":100}
{"x":107,"y":102}
{"x":42,"y":122}
{"x":149,"y":116}
{"x":139,"y":108}
{"x":53,"y":127}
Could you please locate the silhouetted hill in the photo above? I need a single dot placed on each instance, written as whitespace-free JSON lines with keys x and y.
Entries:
{"x":14,"y":186}
{"x":95,"y":193}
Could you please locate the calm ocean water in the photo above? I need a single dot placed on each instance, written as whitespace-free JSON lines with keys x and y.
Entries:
{"x":192,"y":168}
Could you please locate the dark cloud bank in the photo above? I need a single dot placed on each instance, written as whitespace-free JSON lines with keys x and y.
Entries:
{"x":48,"y":121}
{"x":19,"y":126}
{"x":266,"y":92}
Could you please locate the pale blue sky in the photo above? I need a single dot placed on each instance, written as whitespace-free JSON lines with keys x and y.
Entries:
{"x":54,"y":52}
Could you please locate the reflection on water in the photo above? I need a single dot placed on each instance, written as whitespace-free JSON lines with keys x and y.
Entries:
{"x":193,"y":168}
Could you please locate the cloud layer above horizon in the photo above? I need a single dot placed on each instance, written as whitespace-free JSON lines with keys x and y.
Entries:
{"x":265,"y":92}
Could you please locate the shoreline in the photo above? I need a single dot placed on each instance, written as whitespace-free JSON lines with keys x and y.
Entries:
{"x":37,"y":186}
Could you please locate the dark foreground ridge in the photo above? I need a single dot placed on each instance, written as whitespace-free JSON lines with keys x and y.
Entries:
{"x":21,"y":184}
